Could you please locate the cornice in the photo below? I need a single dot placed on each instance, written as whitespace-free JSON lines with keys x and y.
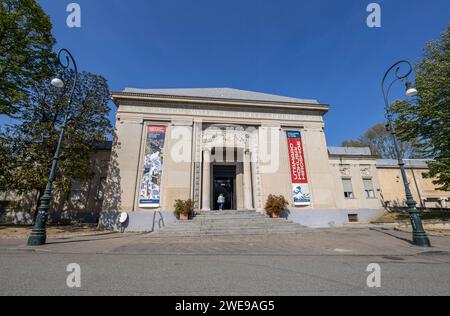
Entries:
{"x":117,"y":97}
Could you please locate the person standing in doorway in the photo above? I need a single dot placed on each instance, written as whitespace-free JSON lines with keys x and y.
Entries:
{"x":221,"y":202}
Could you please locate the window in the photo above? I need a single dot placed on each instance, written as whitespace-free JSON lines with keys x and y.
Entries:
{"x":348,"y":188}
{"x":368,"y":188}
{"x":75,"y":190}
{"x":353,"y":218}
{"x":4,"y":205}
{"x":101,"y":189}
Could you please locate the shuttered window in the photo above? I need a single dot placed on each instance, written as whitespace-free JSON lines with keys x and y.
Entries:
{"x":348,"y":188}
{"x":368,"y":188}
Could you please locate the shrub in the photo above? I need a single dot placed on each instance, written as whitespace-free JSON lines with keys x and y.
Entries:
{"x":275,"y":205}
{"x":183,"y":207}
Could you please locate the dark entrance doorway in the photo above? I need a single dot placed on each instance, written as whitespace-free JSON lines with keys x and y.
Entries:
{"x":224,"y":178}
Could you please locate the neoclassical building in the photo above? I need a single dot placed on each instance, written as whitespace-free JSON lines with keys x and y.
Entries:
{"x":220,"y":132}
{"x":201,"y":143}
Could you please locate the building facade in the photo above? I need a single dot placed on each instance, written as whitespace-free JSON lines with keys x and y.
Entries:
{"x":83,"y":203}
{"x":220,"y":132}
{"x":424,"y":191}
{"x":201,"y":143}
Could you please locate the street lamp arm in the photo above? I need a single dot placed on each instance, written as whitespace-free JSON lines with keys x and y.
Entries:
{"x":65,"y":59}
{"x":398,"y":76}
{"x":388,"y":106}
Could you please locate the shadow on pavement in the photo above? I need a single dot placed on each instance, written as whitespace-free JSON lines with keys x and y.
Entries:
{"x":70,"y":240}
{"x":388,"y":233}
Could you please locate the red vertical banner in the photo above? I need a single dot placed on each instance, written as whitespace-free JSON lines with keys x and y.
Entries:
{"x":299,"y":177}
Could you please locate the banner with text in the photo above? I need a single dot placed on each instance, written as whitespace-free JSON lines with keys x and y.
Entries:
{"x":300,"y":185}
{"x":150,"y":195}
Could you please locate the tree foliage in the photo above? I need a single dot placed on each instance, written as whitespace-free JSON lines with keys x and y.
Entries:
{"x":381,"y":143}
{"x":428,"y":116}
{"x":29,"y":146}
{"x":25,"y":52}
{"x":27,"y":63}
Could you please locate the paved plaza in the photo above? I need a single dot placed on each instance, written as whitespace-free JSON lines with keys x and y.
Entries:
{"x":314,"y":262}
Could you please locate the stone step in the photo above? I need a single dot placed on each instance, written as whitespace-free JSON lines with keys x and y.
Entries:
{"x":224,"y":213}
{"x":246,"y":222}
{"x":225,"y":233}
{"x":227,"y":211}
{"x":236,"y":228}
{"x":232,"y":229}
{"x":232,"y":223}
{"x":230,"y":217}
{"x":231,"y":214}
{"x":224,"y":217}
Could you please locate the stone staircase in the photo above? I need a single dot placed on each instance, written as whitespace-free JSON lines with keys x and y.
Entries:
{"x":228,"y":223}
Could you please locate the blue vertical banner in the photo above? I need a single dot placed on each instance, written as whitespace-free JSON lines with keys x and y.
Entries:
{"x":150,"y":194}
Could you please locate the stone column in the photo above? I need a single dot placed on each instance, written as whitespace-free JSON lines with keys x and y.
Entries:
{"x":248,"y":203}
{"x":255,"y":182}
{"x":206,"y":193}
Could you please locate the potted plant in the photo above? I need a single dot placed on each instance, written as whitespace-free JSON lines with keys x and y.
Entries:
{"x":275,"y":205}
{"x":183,"y":209}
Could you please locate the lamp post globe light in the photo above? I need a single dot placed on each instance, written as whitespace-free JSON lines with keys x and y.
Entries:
{"x":57,"y":83}
{"x":420,"y":237}
{"x":38,"y":235}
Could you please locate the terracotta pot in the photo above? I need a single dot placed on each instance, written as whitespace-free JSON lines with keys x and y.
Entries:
{"x":275,"y":215}
{"x":184,"y":217}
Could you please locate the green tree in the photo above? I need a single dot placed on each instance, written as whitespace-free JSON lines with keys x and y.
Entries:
{"x":25,"y":52}
{"x":28,"y":146}
{"x":428,"y":116}
{"x":6,"y":162}
{"x":380,"y":142}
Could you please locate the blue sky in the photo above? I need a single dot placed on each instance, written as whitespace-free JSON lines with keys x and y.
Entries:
{"x":318,"y":49}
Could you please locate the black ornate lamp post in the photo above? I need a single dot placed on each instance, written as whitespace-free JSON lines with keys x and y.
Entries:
{"x":420,"y":237}
{"x":38,"y":235}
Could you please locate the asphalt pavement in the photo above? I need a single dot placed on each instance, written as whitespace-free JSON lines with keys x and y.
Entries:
{"x":315,"y":262}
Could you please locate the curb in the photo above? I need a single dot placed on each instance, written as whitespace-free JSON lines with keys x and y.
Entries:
{"x":105,"y":233}
{"x":18,"y":250}
{"x":434,"y":252}
{"x":429,"y":232}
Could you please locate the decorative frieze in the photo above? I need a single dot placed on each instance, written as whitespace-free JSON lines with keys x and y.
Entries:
{"x":217,"y":113}
{"x":345,"y":170}
{"x":366,"y":171}
{"x":226,"y":136}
